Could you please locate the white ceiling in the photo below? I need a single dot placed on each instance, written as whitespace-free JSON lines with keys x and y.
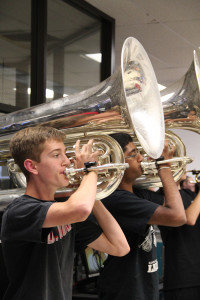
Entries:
{"x":169,"y":30}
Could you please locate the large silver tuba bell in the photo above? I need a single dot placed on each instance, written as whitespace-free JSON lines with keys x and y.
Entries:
{"x":181,"y":106}
{"x":181,"y":101}
{"x":128,"y":101}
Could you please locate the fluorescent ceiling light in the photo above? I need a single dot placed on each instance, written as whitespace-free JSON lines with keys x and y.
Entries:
{"x":49,"y":93}
{"x":95,"y":56}
{"x":167,"y":97}
{"x":161,"y":87}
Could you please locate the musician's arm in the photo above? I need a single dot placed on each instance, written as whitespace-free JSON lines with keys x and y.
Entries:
{"x":192,"y":212}
{"x":112,"y":241}
{"x":77,"y":208}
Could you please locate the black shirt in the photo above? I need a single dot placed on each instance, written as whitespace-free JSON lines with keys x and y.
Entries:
{"x":133,"y":276}
{"x":39,"y":261}
{"x":182,"y":251}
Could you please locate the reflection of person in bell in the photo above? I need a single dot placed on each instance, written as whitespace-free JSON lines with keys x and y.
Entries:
{"x":192,"y":114}
{"x":174,"y":117}
{"x":133,"y":78}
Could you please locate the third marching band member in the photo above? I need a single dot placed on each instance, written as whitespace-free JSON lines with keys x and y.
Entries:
{"x":182,"y":248}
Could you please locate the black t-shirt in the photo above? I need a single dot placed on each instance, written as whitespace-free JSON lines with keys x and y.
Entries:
{"x":133,"y":276}
{"x":39,"y":261}
{"x":182,"y":251}
{"x":3,"y":275}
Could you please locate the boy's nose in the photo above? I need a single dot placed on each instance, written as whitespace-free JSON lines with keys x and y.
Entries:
{"x":66,"y":161}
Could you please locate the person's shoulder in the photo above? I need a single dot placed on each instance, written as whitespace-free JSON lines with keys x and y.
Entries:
{"x":15,"y":201}
{"x":117,"y":196}
{"x":20,"y":199}
{"x":187,"y":196}
{"x":13,"y":207}
{"x":188,"y":192}
{"x":142,"y":193}
{"x":150,"y":196}
{"x":121,"y":193}
{"x":136,"y":194}
{"x":26,"y":202}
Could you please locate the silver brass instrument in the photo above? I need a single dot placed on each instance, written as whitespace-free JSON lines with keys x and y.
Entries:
{"x":109,"y":174}
{"x":128,"y":101}
{"x":181,"y":101}
{"x":150,"y":177}
{"x":197,"y":176}
{"x":181,"y":105}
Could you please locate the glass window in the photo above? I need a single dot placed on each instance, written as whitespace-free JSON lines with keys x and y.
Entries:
{"x":15,"y":42}
{"x":71,"y":37}
{"x":73,"y":60}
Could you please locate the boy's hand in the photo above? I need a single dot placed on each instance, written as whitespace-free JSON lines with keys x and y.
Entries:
{"x":85,"y":154}
{"x":168,"y":153}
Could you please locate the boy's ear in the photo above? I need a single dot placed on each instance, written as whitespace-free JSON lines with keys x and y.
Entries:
{"x":30,"y":166}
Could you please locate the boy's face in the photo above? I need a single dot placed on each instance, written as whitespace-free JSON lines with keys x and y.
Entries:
{"x":134,"y":159}
{"x":53,"y":162}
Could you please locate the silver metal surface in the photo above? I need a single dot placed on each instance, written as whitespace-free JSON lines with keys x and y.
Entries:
{"x":181,"y":106}
{"x":143,"y":98}
{"x":7,"y":196}
{"x":110,"y":170}
{"x":128,"y":101}
{"x":150,"y":177}
{"x":197,"y":176}
{"x":181,"y":101}
{"x":106,"y":174}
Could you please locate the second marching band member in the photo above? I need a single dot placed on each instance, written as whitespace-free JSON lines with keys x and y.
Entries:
{"x":38,"y":233}
{"x":135,"y":276}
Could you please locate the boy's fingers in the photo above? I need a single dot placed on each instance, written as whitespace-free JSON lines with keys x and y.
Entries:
{"x":77,"y":147}
{"x":90,"y":144}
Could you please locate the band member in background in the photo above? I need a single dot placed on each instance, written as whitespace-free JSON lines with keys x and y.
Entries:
{"x":181,"y":254}
{"x":135,"y":276}
{"x":38,"y":232}
{"x":3,"y":275}
{"x":188,"y":183}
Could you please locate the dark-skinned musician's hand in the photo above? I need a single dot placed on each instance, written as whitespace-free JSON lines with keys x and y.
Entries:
{"x":168,"y":153}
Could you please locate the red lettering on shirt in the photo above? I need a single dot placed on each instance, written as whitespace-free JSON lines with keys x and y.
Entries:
{"x":62,"y":231}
